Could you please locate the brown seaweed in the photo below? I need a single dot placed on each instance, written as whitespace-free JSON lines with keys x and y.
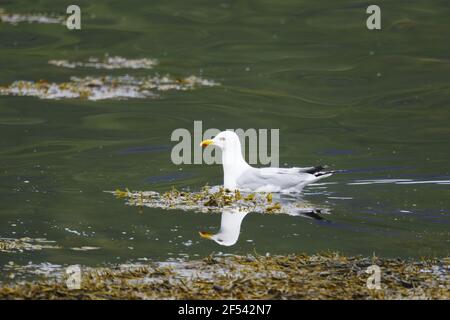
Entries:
{"x":321,"y":276}
{"x":215,"y":200}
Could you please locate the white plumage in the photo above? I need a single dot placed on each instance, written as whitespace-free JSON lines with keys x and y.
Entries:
{"x":238,"y":174}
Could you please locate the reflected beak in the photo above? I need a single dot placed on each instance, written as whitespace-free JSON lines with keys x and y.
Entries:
{"x":206,"y":143}
{"x":205,"y":235}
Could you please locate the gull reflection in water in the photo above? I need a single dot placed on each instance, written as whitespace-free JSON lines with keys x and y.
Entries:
{"x":231,"y":220}
{"x":230,"y":227}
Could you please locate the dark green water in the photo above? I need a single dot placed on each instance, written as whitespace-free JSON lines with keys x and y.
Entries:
{"x":375,"y":104}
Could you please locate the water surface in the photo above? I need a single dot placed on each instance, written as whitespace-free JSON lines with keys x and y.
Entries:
{"x":373,"y":104}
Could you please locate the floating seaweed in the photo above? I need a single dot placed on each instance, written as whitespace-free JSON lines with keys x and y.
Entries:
{"x":44,"y":270}
{"x":16,"y":18}
{"x":216,"y":199}
{"x":107,"y":62}
{"x":100,"y":88}
{"x":25,"y":244}
{"x":321,"y":276}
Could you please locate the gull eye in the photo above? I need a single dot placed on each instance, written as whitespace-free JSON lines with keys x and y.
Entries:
{"x":222,"y":139}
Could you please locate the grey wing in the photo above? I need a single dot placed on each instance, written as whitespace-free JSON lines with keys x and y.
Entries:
{"x":284,"y":178}
{"x":311,"y":170}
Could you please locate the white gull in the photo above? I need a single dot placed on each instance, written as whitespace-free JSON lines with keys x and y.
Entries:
{"x":239,"y":175}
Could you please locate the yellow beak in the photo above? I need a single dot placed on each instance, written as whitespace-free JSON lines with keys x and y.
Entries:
{"x":206,"y":143}
{"x":205,"y":235}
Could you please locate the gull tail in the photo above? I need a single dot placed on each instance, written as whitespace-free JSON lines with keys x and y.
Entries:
{"x":320,"y":173}
{"x":316,"y":169}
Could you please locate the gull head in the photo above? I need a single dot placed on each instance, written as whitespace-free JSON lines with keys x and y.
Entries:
{"x":233,"y":162}
{"x":219,"y":238}
{"x":225,"y":140}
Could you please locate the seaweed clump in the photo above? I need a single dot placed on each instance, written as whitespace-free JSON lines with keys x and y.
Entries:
{"x":321,"y":276}
{"x":25,"y":244}
{"x":213,"y":200}
{"x":106,"y":87}
{"x":16,"y":18}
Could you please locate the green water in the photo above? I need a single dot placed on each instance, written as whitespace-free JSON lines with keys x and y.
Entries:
{"x":374,"y":104}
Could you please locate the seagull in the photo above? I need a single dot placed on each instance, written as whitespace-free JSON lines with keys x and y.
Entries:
{"x":230,"y":227}
{"x":239,"y":175}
